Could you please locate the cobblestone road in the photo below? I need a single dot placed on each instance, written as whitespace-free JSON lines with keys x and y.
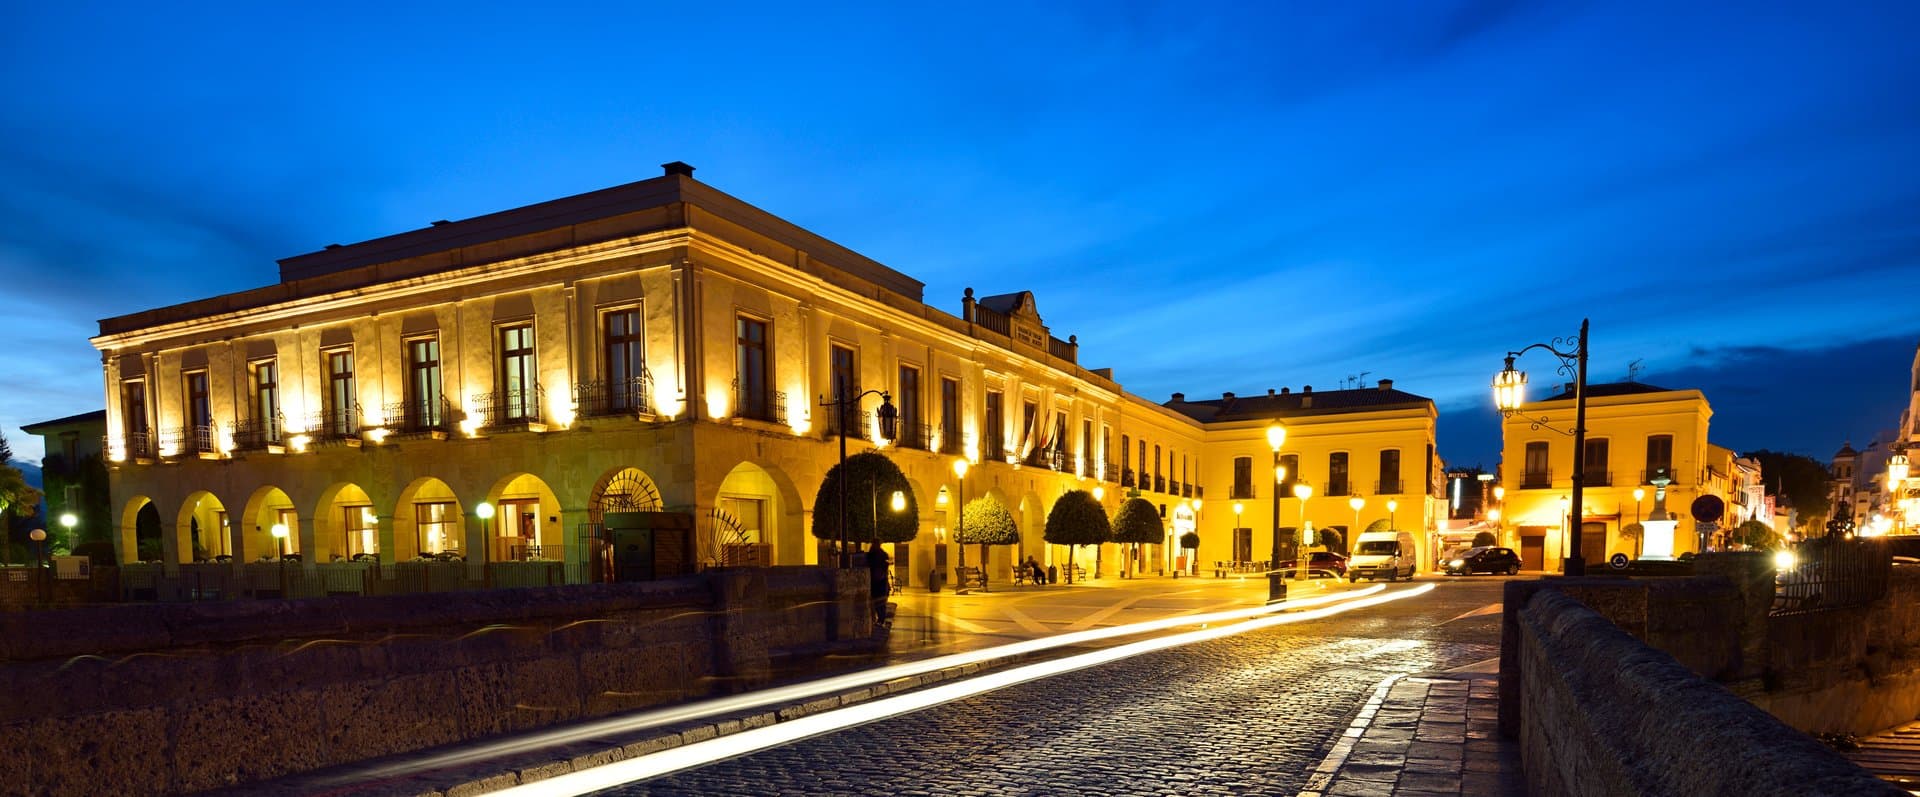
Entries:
{"x":1248,"y":714}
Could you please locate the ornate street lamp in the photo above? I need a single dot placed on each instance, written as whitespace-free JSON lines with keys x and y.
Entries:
{"x":1357,"y":503}
{"x":960,"y":512}
{"x":889,"y":430}
{"x":1393,"y":508}
{"x":1897,"y":470}
{"x":1509,"y":392}
{"x":1276,"y":435}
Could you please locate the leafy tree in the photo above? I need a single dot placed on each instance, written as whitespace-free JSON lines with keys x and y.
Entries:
{"x":1379,"y":525}
{"x":1190,"y":540}
{"x":871,"y":481}
{"x":1075,"y":520}
{"x":1332,"y":540}
{"x":1137,"y":522}
{"x":985,"y":521}
{"x":19,"y":501}
{"x":1484,"y":539}
{"x":1802,"y":478}
{"x":1631,"y":534}
{"x":1755,"y":535}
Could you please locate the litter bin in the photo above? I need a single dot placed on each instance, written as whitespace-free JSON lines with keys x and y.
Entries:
{"x":1276,"y":587}
{"x":936,"y":579}
{"x":1053,"y":574}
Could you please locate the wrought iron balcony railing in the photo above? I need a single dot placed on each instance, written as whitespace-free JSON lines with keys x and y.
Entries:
{"x":858,"y":423}
{"x":503,"y":408}
{"x":915,"y":435}
{"x":760,"y":405}
{"x":1113,"y":472}
{"x":1126,"y":477}
{"x":1597,"y":478}
{"x":1342,"y":487}
{"x":1159,"y":483}
{"x":951,"y":441}
{"x":188,"y":440}
{"x":996,"y":449}
{"x":611,"y":397}
{"x":336,"y":423}
{"x":1536,"y":480}
{"x":254,"y":434}
{"x":138,"y":445}
{"x":1388,"y":487}
{"x":420,"y":416}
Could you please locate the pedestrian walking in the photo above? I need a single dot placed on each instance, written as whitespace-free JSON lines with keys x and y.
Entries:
{"x":880,"y":584}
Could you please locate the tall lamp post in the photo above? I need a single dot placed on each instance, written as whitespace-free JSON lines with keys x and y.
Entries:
{"x":39,"y":537}
{"x":67,"y":521}
{"x":280,"y":538}
{"x":1357,"y":503}
{"x":1276,"y":435}
{"x":960,"y":512}
{"x":1509,"y":391}
{"x":485,"y":511}
{"x":889,"y":429}
{"x":1302,"y":491}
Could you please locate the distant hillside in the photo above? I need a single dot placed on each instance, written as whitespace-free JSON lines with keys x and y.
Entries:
{"x":30,"y":471}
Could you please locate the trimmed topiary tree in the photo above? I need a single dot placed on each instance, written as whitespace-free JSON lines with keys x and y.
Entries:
{"x":1075,"y":520}
{"x":1379,"y":525}
{"x":1137,"y":522}
{"x":1484,"y":539}
{"x":871,"y":481}
{"x":1191,"y":542}
{"x":985,"y":521}
{"x":1756,"y":535}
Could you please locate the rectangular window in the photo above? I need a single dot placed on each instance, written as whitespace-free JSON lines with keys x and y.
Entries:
{"x":1593,"y":465}
{"x":1028,"y":411}
{"x":913,"y":431}
{"x":844,"y":362}
{"x":199,"y":435}
{"x":626,"y":361}
{"x":519,"y":385}
{"x":266,"y":399}
{"x":754,"y":375}
{"x":361,"y":535}
{"x":950,"y":426}
{"x":1537,"y":475}
{"x":996,"y":436}
{"x":1059,"y":441}
{"x":342,"y":417}
{"x":1337,"y":474}
{"x":1086,"y":446}
{"x":1106,"y":453}
{"x":133,"y":418}
{"x":1659,"y":456}
{"x":434,"y":524}
{"x":1292,"y":463}
{"x":1243,"y":477}
{"x":422,"y":410}
{"x":1389,"y":472}
{"x":1126,"y":460}
{"x":1144,"y":481}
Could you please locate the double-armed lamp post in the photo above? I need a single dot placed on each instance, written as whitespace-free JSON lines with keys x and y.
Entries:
{"x":889,"y":429}
{"x":1509,"y":392}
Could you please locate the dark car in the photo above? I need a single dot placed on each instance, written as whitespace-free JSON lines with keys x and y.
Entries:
{"x":1320,"y":563}
{"x":1484,"y":559}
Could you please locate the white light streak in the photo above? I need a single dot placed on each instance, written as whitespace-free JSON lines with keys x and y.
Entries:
{"x":628,"y":723}
{"x":702,"y":753}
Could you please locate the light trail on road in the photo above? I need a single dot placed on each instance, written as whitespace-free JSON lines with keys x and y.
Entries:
{"x":781,"y":695}
{"x":702,"y":753}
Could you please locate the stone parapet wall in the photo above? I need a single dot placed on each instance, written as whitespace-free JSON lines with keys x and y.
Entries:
{"x":1605,"y":714}
{"x":144,"y":699}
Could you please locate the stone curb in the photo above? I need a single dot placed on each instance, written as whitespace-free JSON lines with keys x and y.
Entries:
{"x":477,"y":779}
{"x":1322,"y":775}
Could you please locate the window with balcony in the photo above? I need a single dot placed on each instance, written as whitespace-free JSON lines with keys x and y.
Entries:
{"x":913,"y":426}
{"x":341,"y":413}
{"x":1537,"y":475}
{"x":753,"y":380}
{"x":1086,"y":463}
{"x":1243,"y":477}
{"x":198,"y":436}
{"x":951,"y":428}
{"x":261,"y":427}
{"x":134,"y":419}
{"x":1337,"y":483}
{"x":627,"y":388}
{"x":1389,"y":473}
{"x":1659,"y":457}
{"x":1028,"y":411}
{"x":1126,"y":460}
{"x":843,"y":366}
{"x":424,"y":408}
{"x":518,"y":397}
{"x":1593,"y":464}
{"x":995,"y":439}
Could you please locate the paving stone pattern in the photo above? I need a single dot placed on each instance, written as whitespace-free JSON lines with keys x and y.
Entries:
{"x":1428,"y":735}
{"x":1248,"y":714}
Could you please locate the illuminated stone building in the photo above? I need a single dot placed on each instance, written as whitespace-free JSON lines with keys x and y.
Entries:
{"x":659,"y":345}
{"x":1634,"y":432}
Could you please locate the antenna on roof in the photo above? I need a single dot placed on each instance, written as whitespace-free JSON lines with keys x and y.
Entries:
{"x":1634,"y":368}
{"x":1353,"y":382}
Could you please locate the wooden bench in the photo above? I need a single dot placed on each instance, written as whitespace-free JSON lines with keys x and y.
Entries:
{"x":1073,"y":573}
{"x":971,"y":577}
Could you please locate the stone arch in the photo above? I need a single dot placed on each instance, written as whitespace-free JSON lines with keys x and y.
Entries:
{"x":759,"y":495}
{"x":346,"y":524}
{"x":526,"y":520}
{"x":1031,"y":517}
{"x":253,"y":528}
{"x":140,"y":527}
{"x":201,"y":530}
{"x":429,"y":518}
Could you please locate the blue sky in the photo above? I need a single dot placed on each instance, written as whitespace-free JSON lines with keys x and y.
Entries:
{"x":1237,"y":197}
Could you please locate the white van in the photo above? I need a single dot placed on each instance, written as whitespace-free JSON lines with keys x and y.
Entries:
{"x":1378,"y":554}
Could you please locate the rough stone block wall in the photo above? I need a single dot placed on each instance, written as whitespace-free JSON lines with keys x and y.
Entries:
{"x":1605,"y":714}
{"x":159,"y":698}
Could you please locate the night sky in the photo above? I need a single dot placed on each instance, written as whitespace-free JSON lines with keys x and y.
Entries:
{"x":1258,"y":196}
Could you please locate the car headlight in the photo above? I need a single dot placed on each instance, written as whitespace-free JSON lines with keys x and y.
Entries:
{"x":1459,"y":563}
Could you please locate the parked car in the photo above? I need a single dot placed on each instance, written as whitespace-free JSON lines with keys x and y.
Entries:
{"x":1484,"y":559}
{"x":1320,"y":563}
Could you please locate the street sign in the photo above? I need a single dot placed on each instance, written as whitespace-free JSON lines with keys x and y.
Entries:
{"x":1617,"y":561}
{"x":1708,"y":508}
